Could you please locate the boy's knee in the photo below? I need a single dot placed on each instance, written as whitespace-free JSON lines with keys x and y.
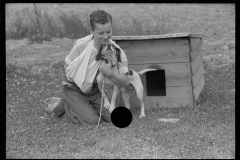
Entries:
{"x":107,"y":119}
{"x":94,"y":121}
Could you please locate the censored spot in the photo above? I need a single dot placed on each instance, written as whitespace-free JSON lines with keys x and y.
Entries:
{"x":121,"y":117}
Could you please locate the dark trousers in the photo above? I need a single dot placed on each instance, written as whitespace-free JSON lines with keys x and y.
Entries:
{"x":81,"y":108}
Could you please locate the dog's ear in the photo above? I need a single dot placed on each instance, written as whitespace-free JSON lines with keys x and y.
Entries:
{"x":118,"y":55}
{"x":99,"y":55}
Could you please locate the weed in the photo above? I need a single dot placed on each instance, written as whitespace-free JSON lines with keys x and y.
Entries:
{"x":72,"y":24}
{"x":51,"y":28}
{"x":73,"y":27}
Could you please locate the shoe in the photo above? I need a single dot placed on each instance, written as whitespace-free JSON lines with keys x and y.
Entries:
{"x":59,"y":110}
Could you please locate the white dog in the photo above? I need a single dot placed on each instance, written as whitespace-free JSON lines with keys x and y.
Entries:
{"x":109,"y":52}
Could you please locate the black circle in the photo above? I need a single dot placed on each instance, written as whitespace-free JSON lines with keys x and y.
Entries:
{"x":121,"y":117}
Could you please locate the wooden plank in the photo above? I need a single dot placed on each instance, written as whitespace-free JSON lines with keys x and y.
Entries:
{"x":196,"y":76}
{"x":196,"y":35}
{"x":197,"y":62}
{"x":194,"y":42}
{"x":156,"y":51}
{"x":196,"y":46}
{"x":150,"y":37}
{"x":198,"y":89}
{"x":176,"y":74}
{"x":175,"y":97}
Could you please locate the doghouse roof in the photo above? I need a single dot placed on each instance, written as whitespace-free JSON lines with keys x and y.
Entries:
{"x":145,"y":37}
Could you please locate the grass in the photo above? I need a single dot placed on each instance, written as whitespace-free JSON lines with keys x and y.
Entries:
{"x":203,"y":132}
{"x":33,"y":73}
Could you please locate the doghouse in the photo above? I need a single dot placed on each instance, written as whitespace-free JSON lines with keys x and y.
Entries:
{"x":178,"y":80}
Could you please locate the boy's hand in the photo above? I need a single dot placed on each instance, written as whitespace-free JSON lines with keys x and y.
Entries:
{"x":86,"y":87}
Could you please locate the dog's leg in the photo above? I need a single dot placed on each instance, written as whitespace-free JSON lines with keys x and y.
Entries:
{"x":114,"y":96}
{"x":106,"y":101}
{"x":126,"y":96}
{"x":140,"y":97}
{"x":139,"y":91}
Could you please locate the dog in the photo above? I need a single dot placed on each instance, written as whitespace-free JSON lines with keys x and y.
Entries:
{"x":111,"y":54}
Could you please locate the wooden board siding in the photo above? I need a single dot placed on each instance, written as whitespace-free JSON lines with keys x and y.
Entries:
{"x":179,"y":55}
{"x":176,"y":74}
{"x":196,"y":44}
{"x":149,"y":37}
{"x":197,"y":75}
{"x":175,"y":97}
{"x":156,"y":51}
{"x":197,"y":90}
{"x":197,"y":62}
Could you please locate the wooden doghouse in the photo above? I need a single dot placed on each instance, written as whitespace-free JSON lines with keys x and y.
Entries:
{"x":179,"y":78}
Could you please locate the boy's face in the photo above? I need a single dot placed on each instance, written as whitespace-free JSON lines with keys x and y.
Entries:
{"x":102,"y":33}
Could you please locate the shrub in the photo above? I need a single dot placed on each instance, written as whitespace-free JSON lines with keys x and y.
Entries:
{"x":40,"y":35}
{"x":39,"y":38}
{"x":73,"y":27}
{"x":52,"y":28}
{"x":40,"y":24}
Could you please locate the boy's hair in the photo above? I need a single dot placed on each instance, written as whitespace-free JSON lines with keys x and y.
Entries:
{"x":99,"y":16}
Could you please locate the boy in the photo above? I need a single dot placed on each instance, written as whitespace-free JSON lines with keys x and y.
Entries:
{"x":81,"y":100}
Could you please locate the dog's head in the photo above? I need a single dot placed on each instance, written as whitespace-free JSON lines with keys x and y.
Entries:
{"x":109,"y":52}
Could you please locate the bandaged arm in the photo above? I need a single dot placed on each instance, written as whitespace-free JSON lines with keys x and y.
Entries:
{"x":74,"y":53}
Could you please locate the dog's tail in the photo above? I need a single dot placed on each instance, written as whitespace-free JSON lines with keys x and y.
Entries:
{"x":146,"y":70}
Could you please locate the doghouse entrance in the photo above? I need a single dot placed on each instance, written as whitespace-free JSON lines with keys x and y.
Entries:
{"x":156,"y":83}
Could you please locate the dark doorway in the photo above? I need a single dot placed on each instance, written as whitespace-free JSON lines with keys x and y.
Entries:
{"x":156,"y":83}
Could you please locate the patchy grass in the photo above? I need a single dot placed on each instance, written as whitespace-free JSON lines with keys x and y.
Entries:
{"x":207,"y":131}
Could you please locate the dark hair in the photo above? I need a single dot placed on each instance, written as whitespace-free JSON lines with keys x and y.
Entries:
{"x":99,"y":16}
